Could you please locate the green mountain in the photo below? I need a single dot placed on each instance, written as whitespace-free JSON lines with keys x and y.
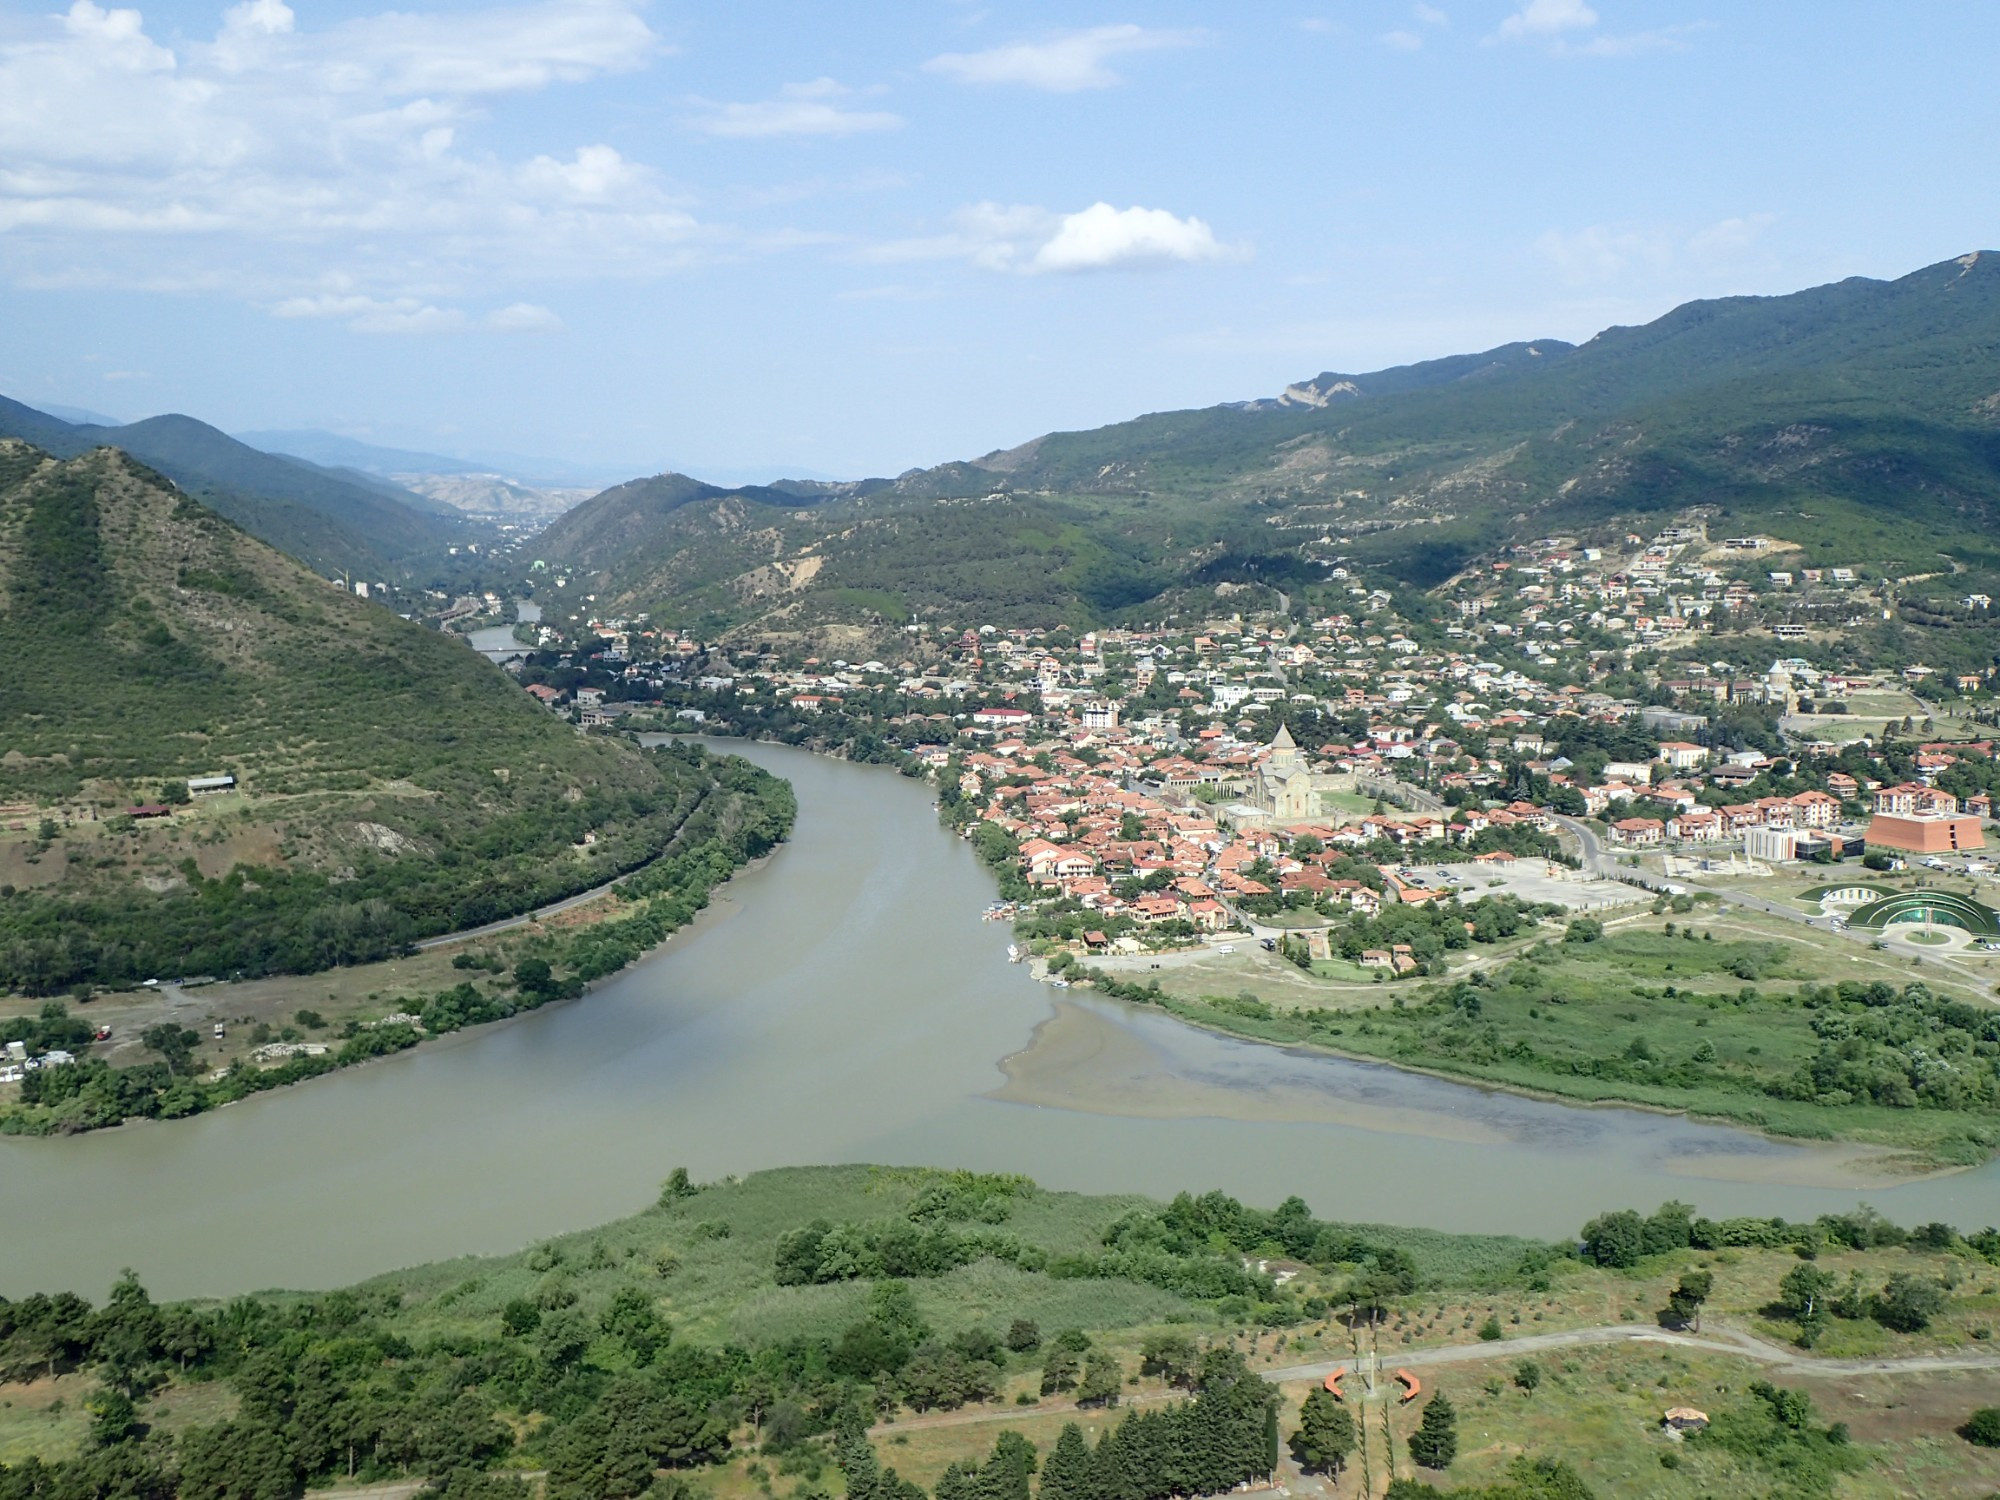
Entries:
{"x":392,"y":784}
{"x":1861,"y":419}
{"x":335,"y":521}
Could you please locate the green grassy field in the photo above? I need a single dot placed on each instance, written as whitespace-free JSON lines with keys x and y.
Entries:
{"x":1725,"y":1017}
{"x":703,"y":1262}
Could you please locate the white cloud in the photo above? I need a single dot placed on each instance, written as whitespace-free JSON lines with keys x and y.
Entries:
{"x":1032,"y":241}
{"x":253,"y":162}
{"x":366,"y":314}
{"x":1568,"y":28}
{"x":1402,"y":41}
{"x":1544,"y":18}
{"x":1102,"y":236}
{"x":1430,"y":15}
{"x":800,"y":109}
{"x":1603,"y":253}
{"x":1064,"y":64}
{"x":523,"y":317}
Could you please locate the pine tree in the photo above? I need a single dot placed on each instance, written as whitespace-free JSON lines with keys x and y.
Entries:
{"x":1007,"y":1472}
{"x":1326,"y":1433}
{"x":1067,"y":1474}
{"x":1435,"y":1442}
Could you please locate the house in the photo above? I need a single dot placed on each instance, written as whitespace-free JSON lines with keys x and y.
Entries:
{"x":1002,"y":718}
{"x":1636,"y":833}
{"x":1815,"y":810}
{"x":209,"y":786}
{"x":1682,"y":755}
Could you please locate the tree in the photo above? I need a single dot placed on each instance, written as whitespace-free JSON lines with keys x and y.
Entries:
{"x":1059,"y":1370}
{"x":1103,"y":1381}
{"x":1804,"y":1289}
{"x":564,"y":1338}
{"x":1435,"y":1442}
{"x":592,"y":1458}
{"x":1684,"y":1302}
{"x":1067,"y":1474}
{"x":1528,"y":1375}
{"x":1023,"y":1337}
{"x":1326,"y":1433}
{"x":1908,"y":1303}
{"x":1983,"y":1427}
{"x":113,"y":1419}
{"x":1171,"y":1356}
{"x":237,"y":1461}
{"x":635,"y":1322}
{"x":1616,"y":1240}
{"x":175,"y":1044}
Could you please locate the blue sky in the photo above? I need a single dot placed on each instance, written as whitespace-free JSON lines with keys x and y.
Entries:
{"x":759,"y":237}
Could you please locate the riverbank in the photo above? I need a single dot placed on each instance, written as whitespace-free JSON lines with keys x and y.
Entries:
{"x":1644,"y":1019}
{"x":502,"y":970}
{"x":740,"y":1325}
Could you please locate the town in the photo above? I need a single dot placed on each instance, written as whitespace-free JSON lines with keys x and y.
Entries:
{"x":1547,"y":732}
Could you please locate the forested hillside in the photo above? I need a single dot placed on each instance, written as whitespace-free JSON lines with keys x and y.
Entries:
{"x":390,"y":783}
{"x":1860,"y":418}
{"x":331,"y":521}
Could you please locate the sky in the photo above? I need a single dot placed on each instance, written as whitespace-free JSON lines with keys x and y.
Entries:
{"x":745,"y":238}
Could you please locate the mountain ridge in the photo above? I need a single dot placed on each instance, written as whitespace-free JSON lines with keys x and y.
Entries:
{"x":1872,"y":405}
{"x":333,"y":521}
{"x":390,"y":782}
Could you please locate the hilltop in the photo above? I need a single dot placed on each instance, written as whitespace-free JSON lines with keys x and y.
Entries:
{"x":332,"y":520}
{"x":1861,"y":415}
{"x":390,"y":782}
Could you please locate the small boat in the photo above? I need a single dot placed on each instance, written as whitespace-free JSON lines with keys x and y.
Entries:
{"x":1013,"y":953}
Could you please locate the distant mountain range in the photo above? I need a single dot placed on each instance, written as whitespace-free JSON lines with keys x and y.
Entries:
{"x":335,"y":451}
{"x":1861,"y":419}
{"x":333,"y":520}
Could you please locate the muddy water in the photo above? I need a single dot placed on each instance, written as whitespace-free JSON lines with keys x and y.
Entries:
{"x":844,"y":1004}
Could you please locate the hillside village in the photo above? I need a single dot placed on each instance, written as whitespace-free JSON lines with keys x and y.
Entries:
{"x":1261,"y":772}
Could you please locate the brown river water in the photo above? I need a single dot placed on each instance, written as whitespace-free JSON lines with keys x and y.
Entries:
{"x":846,"y":1003}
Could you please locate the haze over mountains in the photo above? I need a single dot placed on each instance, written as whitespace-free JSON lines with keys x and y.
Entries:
{"x":334,"y":521}
{"x":1862,"y":415}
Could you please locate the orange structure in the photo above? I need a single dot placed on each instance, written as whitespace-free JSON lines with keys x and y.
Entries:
{"x":1412,"y":1387}
{"x":1333,"y":1383}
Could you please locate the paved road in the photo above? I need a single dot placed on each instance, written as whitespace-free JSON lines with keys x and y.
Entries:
{"x":1600,"y":860}
{"x":580,"y":899}
{"x":1718,"y":1341}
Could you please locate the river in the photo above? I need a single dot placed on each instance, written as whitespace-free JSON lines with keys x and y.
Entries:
{"x":844,"y":1002}
{"x":496,"y":642}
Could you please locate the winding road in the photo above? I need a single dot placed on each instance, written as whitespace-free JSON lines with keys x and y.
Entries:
{"x":1729,"y":1341}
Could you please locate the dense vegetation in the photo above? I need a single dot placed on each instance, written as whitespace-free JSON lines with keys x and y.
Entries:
{"x":1723,"y":1029}
{"x":741,"y":813}
{"x":392,"y":784}
{"x":632,"y":1358}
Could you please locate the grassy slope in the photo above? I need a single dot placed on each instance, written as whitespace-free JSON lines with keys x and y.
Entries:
{"x":1583,"y":1002}
{"x":145,"y":640}
{"x":1599,"y":1407}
